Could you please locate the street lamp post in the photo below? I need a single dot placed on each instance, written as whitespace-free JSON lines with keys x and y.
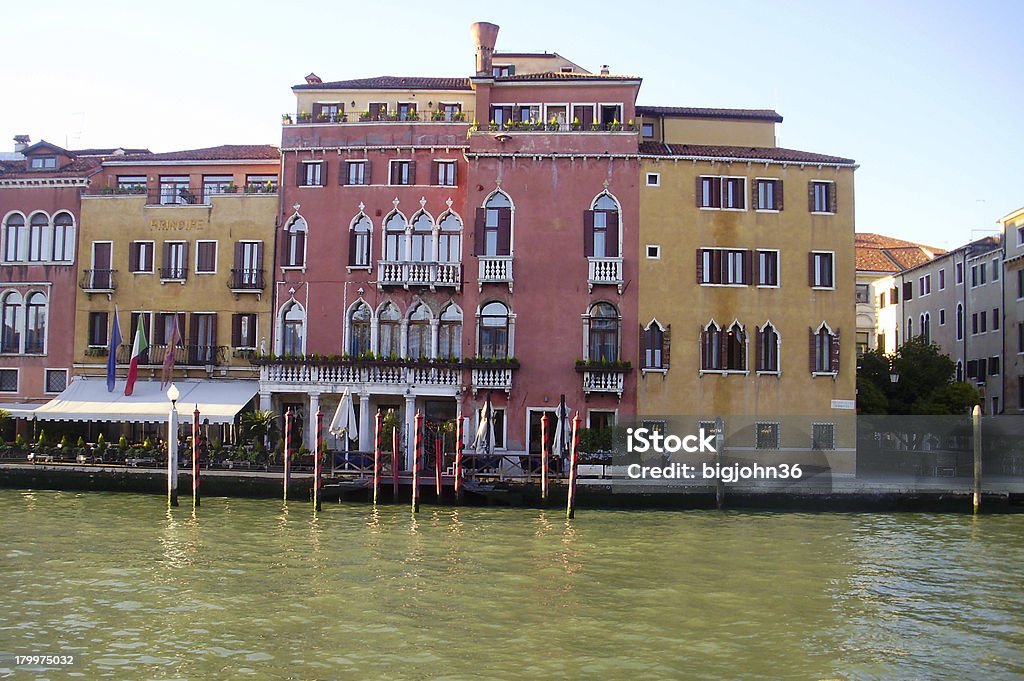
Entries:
{"x":172,"y":447}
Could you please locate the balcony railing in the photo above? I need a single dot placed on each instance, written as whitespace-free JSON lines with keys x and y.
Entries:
{"x":553,"y":126}
{"x":432,"y":274}
{"x":604,"y":381}
{"x":605,"y":271}
{"x":246,"y":281}
{"x":184,"y":355}
{"x":307,"y":118}
{"x":173,"y":273}
{"x":98,"y":281}
{"x":372,"y":372}
{"x":181,"y":195}
{"x":492,"y":379}
{"x":495,"y":269}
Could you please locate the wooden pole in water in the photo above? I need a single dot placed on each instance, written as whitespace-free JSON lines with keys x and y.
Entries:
{"x":417,"y":445}
{"x":438,"y":457}
{"x":544,"y":453}
{"x":719,"y":444}
{"x":570,"y":507}
{"x":394,"y":464}
{"x":287,"y":450}
{"x":195,"y":458}
{"x":378,"y":433}
{"x":318,"y":453}
{"x":172,"y":449}
{"x":976,"y":418}
{"x":458,"y":455}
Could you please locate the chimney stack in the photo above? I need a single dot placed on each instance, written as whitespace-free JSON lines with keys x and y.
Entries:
{"x":604,"y":70}
{"x":21,"y":143}
{"x":485,"y":36}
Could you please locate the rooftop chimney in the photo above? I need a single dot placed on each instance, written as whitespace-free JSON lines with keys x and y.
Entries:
{"x":21,"y":143}
{"x":604,"y":70}
{"x":313,"y":79}
{"x":485,"y":35}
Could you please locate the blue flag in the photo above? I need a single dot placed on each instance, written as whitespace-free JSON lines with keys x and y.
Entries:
{"x":115,"y":342}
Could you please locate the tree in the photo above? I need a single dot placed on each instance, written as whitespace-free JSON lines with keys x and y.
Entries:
{"x":257,"y":426}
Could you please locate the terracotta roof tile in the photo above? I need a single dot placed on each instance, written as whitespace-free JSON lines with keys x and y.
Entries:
{"x":562,"y":76}
{"x":390,"y":83}
{"x":753,"y":153}
{"x":225,"y":152}
{"x":699,"y":112}
{"x":880,"y":253}
{"x":79,"y":167}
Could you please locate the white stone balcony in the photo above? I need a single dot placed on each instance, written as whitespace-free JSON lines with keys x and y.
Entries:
{"x":386,"y":375}
{"x":432,"y":274}
{"x":604,"y":381}
{"x":605,"y":271}
{"x":492,"y":379}
{"x":495,"y":269}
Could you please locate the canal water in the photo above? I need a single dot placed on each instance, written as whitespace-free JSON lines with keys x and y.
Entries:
{"x":244,"y":589}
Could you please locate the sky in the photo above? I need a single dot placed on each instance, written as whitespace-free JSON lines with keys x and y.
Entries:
{"x":927,"y":97}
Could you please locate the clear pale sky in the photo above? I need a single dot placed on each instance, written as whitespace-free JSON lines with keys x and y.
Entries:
{"x":927,"y":96}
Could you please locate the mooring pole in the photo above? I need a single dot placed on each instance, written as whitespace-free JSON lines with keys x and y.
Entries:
{"x":976,"y":419}
{"x":195,"y":457}
{"x":719,"y":444}
{"x":394,"y":464}
{"x":287,"y":450}
{"x":544,"y":452}
{"x":318,"y":452}
{"x":570,"y":506}
{"x":438,"y":457}
{"x":172,"y":451}
{"x":378,"y":432}
{"x":417,"y":445}
{"x":458,"y":455}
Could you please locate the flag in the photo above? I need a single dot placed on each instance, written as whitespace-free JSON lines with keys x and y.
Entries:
{"x":168,"y":371}
{"x":115,"y":342}
{"x":138,"y":347}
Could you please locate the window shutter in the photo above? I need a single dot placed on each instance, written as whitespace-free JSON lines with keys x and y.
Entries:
{"x":167,"y":256}
{"x":588,"y":233}
{"x":700,"y":192}
{"x":435,"y":173}
{"x":300,"y":248}
{"x":748,"y":267}
{"x":644,"y":340}
{"x":511,"y":69}
{"x":810,"y":354}
{"x":834,"y":353}
{"x":238,"y":264}
{"x":323,"y":174}
{"x":833,"y":198}
{"x":366,"y":172}
{"x":611,"y":240}
{"x":285,"y":234}
{"x":352,"y":255}
{"x":810,"y":197}
{"x":133,"y":257}
{"x":755,"y":185}
{"x":716,"y":267}
{"x":504,"y":231}
{"x":344,"y":168}
{"x":478,"y":231}
{"x":700,"y":265}
{"x":810,"y":269}
{"x":723,"y":349}
{"x":181,"y":328}
{"x":184,"y":258}
{"x":666,"y":345}
{"x":755,"y":268}
{"x":412,"y":172}
{"x":778,"y":195}
{"x":193,"y":332}
{"x":704,"y":348}
{"x":300,"y":174}
{"x":236,"y":330}
{"x":455,"y":173}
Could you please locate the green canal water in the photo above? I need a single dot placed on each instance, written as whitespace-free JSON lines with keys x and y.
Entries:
{"x":244,"y":589}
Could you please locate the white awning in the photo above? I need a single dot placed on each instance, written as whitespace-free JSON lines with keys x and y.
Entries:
{"x":87,"y":399}
{"x":19,"y":410}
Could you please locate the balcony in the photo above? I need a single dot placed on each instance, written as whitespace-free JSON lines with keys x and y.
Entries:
{"x":184,"y":355}
{"x":603,"y":377}
{"x":324,"y":118}
{"x":394,"y":375}
{"x":432,"y":274}
{"x":173,"y":274}
{"x":492,"y":378}
{"x":246,"y":281}
{"x":604,"y":271}
{"x":98,"y":281}
{"x":495,"y":269}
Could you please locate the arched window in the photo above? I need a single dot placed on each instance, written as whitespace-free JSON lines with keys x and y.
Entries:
{"x":959,"y":321}
{"x":603,"y":343}
{"x":494,"y":328}
{"x":655,"y":346}
{"x":35,"y":323}
{"x":293,"y":322}
{"x":494,"y":226}
{"x":359,"y":242}
{"x":711,"y":347}
{"x":449,"y":341}
{"x":294,"y":254}
{"x":39,"y":226}
{"x":825,"y":350}
{"x":10,"y":338}
{"x":394,"y":237}
{"x":422,"y":238}
{"x":63,"y":237}
{"x":359,"y":330}
{"x":389,"y":330}
{"x":14,"y":236}
{"x":926,"y":327}
{"x":959,"y":371}
{"x":910,"y":328}
{"x":736,"y":348}
{"x":601,"y":228}
{"x":419,"y":342}
{"x":768,"y":349}
{"x":449,"y":238}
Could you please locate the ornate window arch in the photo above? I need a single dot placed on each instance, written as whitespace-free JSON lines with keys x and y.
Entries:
{"x":601,"y":226}
{"x":495,"y":331}
{"x":421,"y":231}
{"x":63,"y":237}
{"x":449,"y":237}
{"x":419,"y":337}
{"x":655,"y":344}
{"x":449,"y":333}
{"x":292,"y":339}
{"x":959,"y":321}
{"x":494,"y":225}
{"x":15,"y":237}
{"x":295,"y":233}
{"x":735,"y":356}
{"x":394,"y":246}
{"x":360,"y":322}
{"x":824,"y":349}
{"x":601,"y":332}
{"x":40,"y":236}
{"x":360,"y":240}
{"x":35,"y":323}
{"x":389,"y":330}
{"x":768,"y":349}
{"x":711,"y":347}
{"x":10,"y":316}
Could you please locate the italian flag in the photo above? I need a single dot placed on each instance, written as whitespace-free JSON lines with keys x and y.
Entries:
{"x":138,"y":347}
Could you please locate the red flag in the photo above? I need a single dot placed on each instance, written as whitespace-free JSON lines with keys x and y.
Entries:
{"x":168,"y":370}
{"x":138,"y":347}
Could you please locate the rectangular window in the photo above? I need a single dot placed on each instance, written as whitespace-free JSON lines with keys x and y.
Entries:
{"x":862,"y":293}
{"x":445,"y":174}
{"x":402,"y":173}
{"x":653,"y":251}
{"x":983,"y":319}
{"x":881,"y":300}
{"x":722,"y":192}
{"x":206,"y":257}
{"x":942,"y":317}
{"x":311,"y":174}
{"x":131,"y":184}
{"x":767,"y":435}
{"x":993,"y":366}
{"x":767,"y":268}
{"x":43,"y":162}
{"x":174,"y":190}
{"x":822,"y":274}
{"x":942,"y":279}
{"x":647,"y":130}
{"x":823,"y":436}
{"x":56,"y":380}
{"x":995,"y":319}
{"x":653,"y":179}
{"x":654,"y":347}
{"x":202,"y":344}
{"x":974,"y":323}
{"x":724,"y":266}
{"x":216,"y":184}
{"x":140,"y":257}
{"x":1020,"y":341}
{"x":261,"y":184}
{"x":995,"y":270}
{"x":243,"y":331}
{"x":769,"y":194}
{"x":164,"y":329}
{"x":959,"y":273}
{"x":175,"y":265}
{"x":98,"y":323}
{"x":8,"y":380}
{"x":1020,"y":392}
{"x":924,"y":285}
{"x":357,"y":172}
{"x":822,"y":196}
{"x":1020,"y":284}
{"x":894,"y":295}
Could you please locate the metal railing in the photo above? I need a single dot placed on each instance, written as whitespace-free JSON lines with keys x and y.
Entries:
{"x":307,"y":118}
{"x":246,"y":280}
{"x":174,"y":273}
{"x":432,"y":274}
{"x":184,"y":355}
{"x":98,"y":280}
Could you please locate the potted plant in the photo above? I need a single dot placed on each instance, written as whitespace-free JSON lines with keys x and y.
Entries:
{"x":305,"y":117}
{"x":615,"y":126}
{"x":286,"y":119}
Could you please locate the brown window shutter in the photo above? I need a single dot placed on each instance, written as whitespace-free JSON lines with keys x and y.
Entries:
{"x":504,"y":231}
{"x":352,"y":247}
{"x":435,"y":172}
{"x":455,"y":173}
{"x":181,"y":328}
{"x":833,"y":198}
{"x":367,"y":165}
{"x":810,"y":348}
{"x":344,"y":167}
{"x":588,"y":233}
{"x":300,"y":248}
{"x":716,"y":267}
{"x":666,"y":345}
{"x":834,"y":352}
{"x":748,"y":267}
{"x":810,"y":196}
{"x":754,"y":185}
{"x":193,"y":332}
{"x":478,"y":231}
{"x":611,"y":248}
{"x":238,"y":264}
{"x":778,"y":195}
{"x":236,"y":330}
{"x":723,"y":349}
{"x":758,"y":343}
{"x":645,"y":340}
{"x":810,"y":269}
{"x":323,"y":174}
{"x":700,"y":192}
{"x":285,"y":236}
{"x":300,"y":174}
{"x":704,"y":336}
{"x":700,"y":265}
{"x":133,"y":257}
{"x":755,"y":267}
{"x":412,"y":172}
{"x":184,"y":258}
{"x":213,"y":329}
